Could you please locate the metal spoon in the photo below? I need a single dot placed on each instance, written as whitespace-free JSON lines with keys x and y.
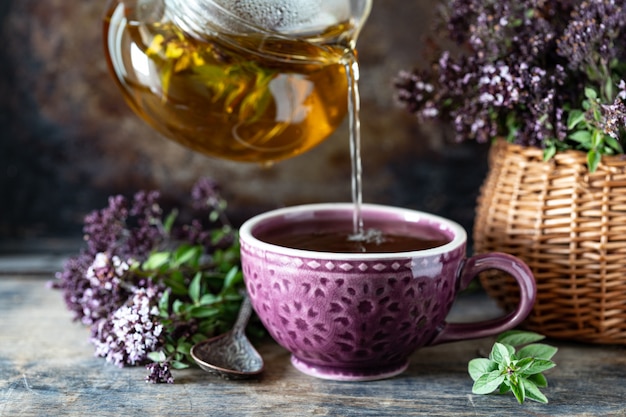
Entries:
{"x":230,"y":355}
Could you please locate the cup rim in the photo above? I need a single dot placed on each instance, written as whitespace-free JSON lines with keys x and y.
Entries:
{"x":246,"y":236}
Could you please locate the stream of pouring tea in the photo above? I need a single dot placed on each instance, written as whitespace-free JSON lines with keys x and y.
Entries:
{"x":354,"y":126}
{"x":359,"y":233}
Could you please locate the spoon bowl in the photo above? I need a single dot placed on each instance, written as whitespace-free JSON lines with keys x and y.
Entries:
{"x":230,"y":355}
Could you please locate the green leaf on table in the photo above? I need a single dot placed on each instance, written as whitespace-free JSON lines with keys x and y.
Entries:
{"x":518,"y":391}
{"x":488,"y":382}
{"x":501,"y":353}
{"x":532,"y":391}
{"x":522,"y":365}
{"x":517,"y":372}
{"x":539,"y":380}
{"x":537,"y":351}
{"x":479,"y":366}
{"x":537,"y":366}
{"x":519,"y":337}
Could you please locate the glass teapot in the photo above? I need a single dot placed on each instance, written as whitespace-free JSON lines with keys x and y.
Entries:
{"x":245,"y":80}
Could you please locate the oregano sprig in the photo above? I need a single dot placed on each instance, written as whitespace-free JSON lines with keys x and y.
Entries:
{"x":201,"y":299}
{"x":150,"y":284}
{"x":507,"y":370}
{"x":548,"y":74}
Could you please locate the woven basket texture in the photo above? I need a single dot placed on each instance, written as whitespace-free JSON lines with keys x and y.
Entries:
{"x":569,"y":226}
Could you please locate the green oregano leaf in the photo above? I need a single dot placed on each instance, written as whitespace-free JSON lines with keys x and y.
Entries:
{"x":549,"y":152}
{"x":479,"y":366}
{"x":233,"y":277}
{"x":488,"y":382}
{"x":539,"y":380}
{"x":187,"y":254}
{"x":613,"y":144}
{"x":169,"y":221}
{"x":593,"y":159}
{"x":574,"y":118}
{"x":597,"y":138}
{"x":177,"y":306}
{"x":164,"y":304}
{"x":590,"y":93}
{"x":518,"y":391}
{"x":179,"y":364}
{"x":538,"y":351}
{"x":583,"y":137}
{"x":194,"y":288}
{"x":156,"y":260}
{"x":208,"y":299}
{"x":506,"y":370}
{"x":519,"y":337}
{"x":201,"y":312}
{"x":532,"y":392}
{"x":522,"y":365}
{"x":537,"y":366}
{"x":500,"y":353}
{"x":157,"y":356}
{"x":175,"y":284}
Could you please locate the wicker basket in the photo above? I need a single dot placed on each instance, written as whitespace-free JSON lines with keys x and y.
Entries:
{"x":569,"y":226}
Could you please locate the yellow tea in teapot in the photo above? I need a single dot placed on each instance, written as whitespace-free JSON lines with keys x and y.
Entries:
{"x":241,"y":97}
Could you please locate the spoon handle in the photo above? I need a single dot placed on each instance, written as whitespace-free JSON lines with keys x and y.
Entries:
{"x":245,"y":311}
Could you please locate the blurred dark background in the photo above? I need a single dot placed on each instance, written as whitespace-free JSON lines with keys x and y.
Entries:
{"x":68,"y":140}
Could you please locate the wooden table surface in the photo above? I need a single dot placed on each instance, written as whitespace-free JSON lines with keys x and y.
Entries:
{"x":47,"y":368}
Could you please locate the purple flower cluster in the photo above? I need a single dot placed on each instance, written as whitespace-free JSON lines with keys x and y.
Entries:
{"x":592,"y":39}
{"x":520,"y":67}
{"x":96,"y":282}
{"x":132,"y":331}
{"x":104,"y":287}
{"x":159,"y":373}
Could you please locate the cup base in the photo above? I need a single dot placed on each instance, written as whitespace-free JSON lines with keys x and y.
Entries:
{"x":334,"y":373}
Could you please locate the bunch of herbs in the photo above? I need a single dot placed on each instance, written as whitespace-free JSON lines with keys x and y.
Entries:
{"x":507,"y":370}
{"x":542,"y":73}
{"x":150,"y":285}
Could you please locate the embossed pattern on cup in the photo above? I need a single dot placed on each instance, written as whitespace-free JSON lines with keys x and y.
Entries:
{"x":354,"y":316}
{"x":361,"y":313}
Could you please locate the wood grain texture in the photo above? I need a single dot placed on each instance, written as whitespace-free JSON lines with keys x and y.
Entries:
{"x":47,"y":368}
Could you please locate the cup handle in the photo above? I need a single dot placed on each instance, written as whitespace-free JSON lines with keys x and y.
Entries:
{"x":451,"y":332}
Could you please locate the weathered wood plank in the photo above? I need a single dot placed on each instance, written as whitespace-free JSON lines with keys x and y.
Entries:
{"x":41,"y":257}
{"x":47,"y":368}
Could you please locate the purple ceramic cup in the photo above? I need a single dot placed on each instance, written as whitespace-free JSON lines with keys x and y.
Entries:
{"x":359,"y":316}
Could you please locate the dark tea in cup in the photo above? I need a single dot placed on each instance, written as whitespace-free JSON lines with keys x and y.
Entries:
{"x":331,"y":235}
